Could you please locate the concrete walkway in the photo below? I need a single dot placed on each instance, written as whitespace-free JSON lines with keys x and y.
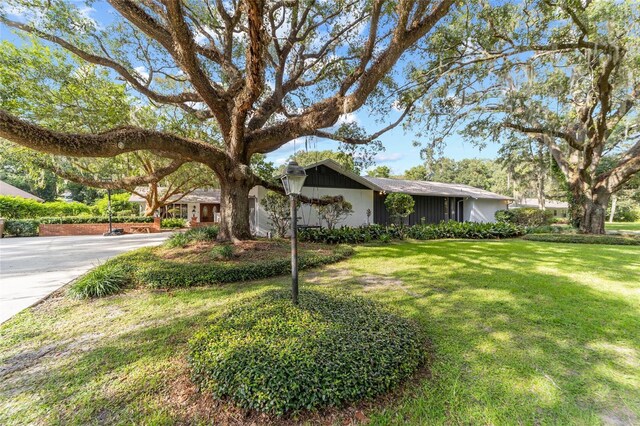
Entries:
{"x":34,"y":267}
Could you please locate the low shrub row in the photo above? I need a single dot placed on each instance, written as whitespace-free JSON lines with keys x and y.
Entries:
{"x":173,"y":223}
{"x":167,"y":274}
{"x":585,"y":239}
{"x":333,"y":348}
{"x":21,"y":208}
{"x":451,"y":229}
{"x":21,"y":227}
{"x":204,"y":233}
{"x":526,"y":216}
{"x":29,"y":227}
{"x":95,"y":219}
{"x":144,"y":268}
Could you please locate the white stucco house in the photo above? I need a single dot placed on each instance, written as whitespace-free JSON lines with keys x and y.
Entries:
{"x":434,"y":201}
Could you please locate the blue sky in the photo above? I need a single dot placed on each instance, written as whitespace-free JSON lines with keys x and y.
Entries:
{"x":399,"y":154}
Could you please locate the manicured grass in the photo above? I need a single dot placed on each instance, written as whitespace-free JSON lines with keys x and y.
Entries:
{"x":610,"y":239}
{"x":522,"y":332}
{"x":622,"y":226}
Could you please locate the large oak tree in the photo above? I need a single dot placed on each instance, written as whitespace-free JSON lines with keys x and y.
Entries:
{"x":566,"y":74}
{"x":258,"y":73}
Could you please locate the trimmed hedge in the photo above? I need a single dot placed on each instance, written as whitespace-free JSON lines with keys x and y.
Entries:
{"x":585,"y":239}
{"x":173,"y":223}
{"x":95,"y":219}
{"x":165,"y":274}
{"x":333,"y":348}
{"x":525,"y":216}
{"x":21,"y":227}
{"x":29,"y":227}
{"x":451,"y":229}
{"x":22,"y":208}
{"x":146,"y":269}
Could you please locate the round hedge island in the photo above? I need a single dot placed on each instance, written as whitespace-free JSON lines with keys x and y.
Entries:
{"x":334,"y":348}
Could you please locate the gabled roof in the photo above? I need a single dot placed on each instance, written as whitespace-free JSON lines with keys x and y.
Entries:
{"x":420,"y":187}
{"x":197,"y":196}
{"x":412,"y":187}
{"x":6,"y":189}
{"x":533,"y":202}
{"x":332,"y":164}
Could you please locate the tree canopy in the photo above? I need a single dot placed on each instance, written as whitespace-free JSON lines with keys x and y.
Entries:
{"x":564,"y":73}
{"x":249,"y":75}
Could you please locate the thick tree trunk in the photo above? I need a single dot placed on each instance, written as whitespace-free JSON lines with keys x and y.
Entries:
{"x":591,"y":208}
{"x":234,"y":209}
{"x":593,"y":218}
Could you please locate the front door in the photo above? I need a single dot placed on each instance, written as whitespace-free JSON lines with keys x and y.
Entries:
{"x":206,"y":212}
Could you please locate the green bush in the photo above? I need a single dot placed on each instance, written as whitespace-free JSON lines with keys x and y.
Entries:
{"x":399,"y":206}
{"x":526,"y":216}
{"x":19,"y":208}
{"x":173,"y":223}
{"x":120,"y":204}
{"x":585,"y":239}
{"x":333,"y":348}
{"x":21,"y":227}
{"x":22,"y":208}
{"x":449,"y":229}
{"x":204,"y":233}
{"x":177,"y":240}
{"x":549,"y":229}
{"x":103,"y":280}
{"x":144,"y":268}
{"x":626,"y":214}
{"x":96,"y":219}
{"x":222,"y":252}
{"x":166,"y":274}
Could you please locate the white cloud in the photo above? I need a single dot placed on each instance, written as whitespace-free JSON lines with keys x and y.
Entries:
{"x":384,"y":157}
{"x":142,"y":72}
{"x":348,"y":119}
{"x":280,"y":161}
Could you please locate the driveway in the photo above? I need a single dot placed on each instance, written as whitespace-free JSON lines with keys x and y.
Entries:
{"x":32,"y":268}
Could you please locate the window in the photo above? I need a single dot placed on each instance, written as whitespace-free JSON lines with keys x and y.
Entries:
{"x":176,"y":210}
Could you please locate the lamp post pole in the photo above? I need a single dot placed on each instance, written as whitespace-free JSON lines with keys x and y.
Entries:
{"x":293,"y":181}
{"x":294,"y":248}
{"x":109,"y":211}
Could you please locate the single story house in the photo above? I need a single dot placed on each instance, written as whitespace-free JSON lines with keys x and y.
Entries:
{"x":201,"y":205}
{"x":434,"y":201}
{"x":10,"y":190}
{"x":557,"y":208}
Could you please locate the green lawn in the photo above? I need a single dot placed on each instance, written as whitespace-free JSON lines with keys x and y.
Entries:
{"x":522,"y":333}
{"x":622,"y":226}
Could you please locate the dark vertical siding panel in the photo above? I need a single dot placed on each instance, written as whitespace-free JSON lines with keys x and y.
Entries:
{"x":325,"y":177}
{"x":432,"y":209}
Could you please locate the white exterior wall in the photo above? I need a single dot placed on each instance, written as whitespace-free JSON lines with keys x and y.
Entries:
{"x":482,"y":210}
{"x":360,"y":199}
{"x":190,"y":207}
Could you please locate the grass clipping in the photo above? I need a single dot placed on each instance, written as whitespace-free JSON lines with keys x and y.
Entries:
{"x":268,"y":355}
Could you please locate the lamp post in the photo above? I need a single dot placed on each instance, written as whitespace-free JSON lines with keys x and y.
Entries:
{"x":293,"y":181}
{"x":109,"y":211}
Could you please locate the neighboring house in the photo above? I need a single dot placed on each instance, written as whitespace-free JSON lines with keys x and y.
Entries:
{"x":434,"y":201}
{"x":557,"y":208}
{"x":6,"y":189}
{"x":201,"y":205}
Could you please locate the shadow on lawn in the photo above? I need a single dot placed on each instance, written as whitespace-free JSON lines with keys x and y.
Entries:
{"x":516,"y":339}
{"x":513,"y":341}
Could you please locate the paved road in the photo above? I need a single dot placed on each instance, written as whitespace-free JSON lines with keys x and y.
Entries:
{"x":32,"y":268}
